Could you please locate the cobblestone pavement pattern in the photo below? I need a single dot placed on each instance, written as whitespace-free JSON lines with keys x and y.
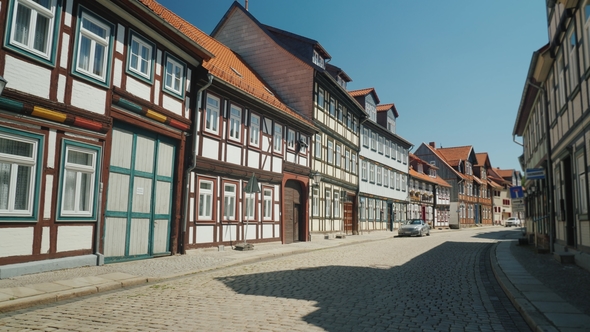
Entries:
{"x":437,"y":283}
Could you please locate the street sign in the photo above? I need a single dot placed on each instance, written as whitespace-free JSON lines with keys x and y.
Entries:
{"x":252,"y":186}
{"x":516,"y":192}
{"x":518,"y":201}
{"x":535,"y":174}
{"x":517,"y":208}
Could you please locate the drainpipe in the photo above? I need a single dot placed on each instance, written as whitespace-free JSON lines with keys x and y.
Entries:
{"x":97,"y":253}
{"x":192,"y":166}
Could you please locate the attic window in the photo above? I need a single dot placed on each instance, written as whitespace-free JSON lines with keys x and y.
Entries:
{"x":236,"y":71}
{"x":317,"y":59}
{"x":267,"y":90}
{"x":342,"y":82}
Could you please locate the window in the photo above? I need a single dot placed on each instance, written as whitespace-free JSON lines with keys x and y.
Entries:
{"x":250,"y":202}
{"x":330,"y":152}
{"x":371,"y":209}
{"x":291,"y":139}
{"x":582,"y":189}
{"x":393,"y":151}
{"x":364,"y":170}
{"x":573,"y":59}
{"x":561,"y":73}
{"x":78,"y":180}
{"x":140,"y":57}
{"x":371,"y":173}
{"x":32,"y":28}
{"x":212,"y":114}
{"x":374,"y":141}
{"x":229,"y":202}
{"x":174,"y":76}
{"x":340,"y":113}
{"x":316,"y":202}
{"x":391,"y":124}
{"x":363,"y":208}
{"x":267,"y":201}
{"x":397,"y":180}
{"x":205,"y":200}
{"x":380,"y":145}
{"x":338,"y":155}
{"x":303,"y":147}
{"x":353,"y":163}
{"x":321,"y":98}
{"x":318,"y":146}
{"x":332,"y":107}
{"x":586,"y":33}
{"x":336,"y":204}
{"x":366,"y":137}
{"x":385,"y":178}
{"x":387,"y":147}
{"x":392,"y":179}
{"x":235,"y":123}
{"x":278,"y":139}
{"x":93,"y":42}
{"x":328,"y":203}
{"x":254,"y":130}
{"x":19,"y":173}
{"x":379,"y":175}
{"x":347,"y":161}
{"x":318,"y":59}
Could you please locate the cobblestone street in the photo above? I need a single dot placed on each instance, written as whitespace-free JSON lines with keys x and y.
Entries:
{"x":440,"y":283}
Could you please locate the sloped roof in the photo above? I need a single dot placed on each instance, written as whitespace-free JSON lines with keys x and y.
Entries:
{"x":455,"y":154}
{"x":505,"y":173}
{"x":387,"y":107}
{"x":482,"y":157}
{"x":226,"y":65}
{"x":364,"y":92}
{"x":443,"y":160}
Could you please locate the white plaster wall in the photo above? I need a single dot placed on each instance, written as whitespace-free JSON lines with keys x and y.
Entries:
{"x":88,"y":97}
{"x":229,"y":232}
{"x":120,"y":46}
{"x":48,"y":194}
{"x":267,"y":231}
{"x":63,"y":59}
{"x":303,"y":161}
{"x":191,"y":216}
{"x":234,"y":154}
{"x":157,"y":94}
{"x":16,"y":241}
{"x":187,"y":110}
{"x":210,"y":148}
{"x":204,"y":234}
{"x":51,"y":148}
{"x":172,"y":104}
{"x":253,"y":159}
{"x":45,"y":240}
{"x":138,"y":88}
{"x":68,"y":15}
{"x":27,"y":77}
{"x":277,"y":164}
{"x":190,"y":234}
{"x":61,"y":88}
{"x":250,"y":232}
{"x":74,"y":238}
{"x":118,"y":73}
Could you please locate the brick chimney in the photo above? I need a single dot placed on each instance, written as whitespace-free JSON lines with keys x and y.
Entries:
{"x":432,"y":145}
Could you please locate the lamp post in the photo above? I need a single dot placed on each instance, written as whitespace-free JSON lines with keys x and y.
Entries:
{"x":2,"y":84}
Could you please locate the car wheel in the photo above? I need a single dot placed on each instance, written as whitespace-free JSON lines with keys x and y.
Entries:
{"x":422,"y":233}
{"x":428,"y":234}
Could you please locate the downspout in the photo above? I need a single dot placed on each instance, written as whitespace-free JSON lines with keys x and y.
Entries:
{"x":97,"y":253}
{"x":192,"y":166}
{"x":549,"y":175}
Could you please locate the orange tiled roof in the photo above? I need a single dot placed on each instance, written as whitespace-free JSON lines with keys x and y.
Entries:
{"x":505,"y":173}
{"x":385,"y":107}
{"x":455,"y":154}
{"x":361,"y":92}
{"x":226,"y":65}
{"x":481,"y":158}
{"x":442,"y":158}
{"x":428,"y":178}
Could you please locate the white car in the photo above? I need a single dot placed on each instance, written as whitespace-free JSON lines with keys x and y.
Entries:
{"x":512,"y":221}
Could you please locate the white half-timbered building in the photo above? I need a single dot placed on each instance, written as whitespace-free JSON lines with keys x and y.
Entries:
{"x":92,"y":127}
{"x":244,"y":129}
{"x":383,"y":166}
{"x":295,"y":67}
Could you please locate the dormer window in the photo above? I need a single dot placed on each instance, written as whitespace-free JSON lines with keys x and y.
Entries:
{"x":318,"y":59}
{"x":420,"y":169}
{"x":391,"y":124}
{"x":432,"y":173}
{"x":372,"y":111}
{"x":342,"y":82}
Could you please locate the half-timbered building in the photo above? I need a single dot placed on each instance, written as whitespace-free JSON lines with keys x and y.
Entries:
{"x":429,"y":194}
{"x":243,"y":129}
{"x":295,"y":66}
{"x":92,"y":132}
{"x":383,"y":165}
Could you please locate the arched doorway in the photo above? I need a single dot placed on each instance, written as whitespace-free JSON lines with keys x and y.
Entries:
{"x":294,"y":216}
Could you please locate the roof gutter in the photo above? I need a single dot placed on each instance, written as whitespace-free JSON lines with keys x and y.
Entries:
{"x":192,"y":166}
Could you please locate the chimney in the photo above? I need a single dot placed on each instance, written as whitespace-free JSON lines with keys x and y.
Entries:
{"x":432,"y":145}
{"x":246,"y":5}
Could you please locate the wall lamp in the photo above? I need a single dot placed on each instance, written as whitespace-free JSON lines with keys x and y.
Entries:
{"x":316,"y":177}
{"x":2,"y":84}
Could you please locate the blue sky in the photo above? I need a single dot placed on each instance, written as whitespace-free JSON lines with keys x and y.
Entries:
{"x":454,"y":69}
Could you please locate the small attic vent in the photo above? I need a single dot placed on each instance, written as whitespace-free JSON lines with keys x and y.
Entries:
{"x":236,"y":71}
{"x":267,"y":90}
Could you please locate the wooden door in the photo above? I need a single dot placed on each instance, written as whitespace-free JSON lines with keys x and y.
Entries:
{"x":138,"y":213}
{"x":348,"y":218}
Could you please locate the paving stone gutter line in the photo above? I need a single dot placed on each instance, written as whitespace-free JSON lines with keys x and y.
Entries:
{"x":51,"y":292}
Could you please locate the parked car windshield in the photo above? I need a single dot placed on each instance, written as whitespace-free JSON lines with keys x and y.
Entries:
{"x":416,"y":222}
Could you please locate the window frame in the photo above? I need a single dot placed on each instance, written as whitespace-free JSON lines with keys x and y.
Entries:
{"x":211,"y":194}
{"x":291,"y":139}
{"x":177,"y":63}
{"x":364,"y":171}
{"x":105,"y":80}
{"x":36,"y":161}
{"x":249,"y":197}
{"x":267,"y":204}
{"x":226,"y":195}
{"x":338,"y":155}
{"x":254,"y":130}
{"x":149,"y":78}
{"x":209,"y":114}
{"x":330,"y":152}
{"x":70,"y":145}
{"x":49,"y":56}
{"x":233,"y":121}
{"x":315,"y":205}
{"x":277,"y":138}
{"x":336,"y":204}
{"x":328,"y":203}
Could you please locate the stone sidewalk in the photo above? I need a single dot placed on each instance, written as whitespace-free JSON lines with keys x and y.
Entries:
{"x":542,"y":308}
